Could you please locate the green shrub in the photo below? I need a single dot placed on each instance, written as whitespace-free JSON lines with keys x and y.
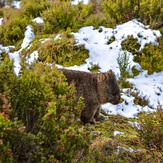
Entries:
{"x":29,"y":99}
{"x":39,"y":117}
{"x":59,"y":132}
{"x":7,"y":77}
{"x":13,"y":31}
{"x":38,"y":28}
{"x":1,"y":13}
{"x":94,"y":67}
{"x":151,"y":12}
{"x":63,"y":51}
{"x":123,"y":63}
{"x":131,"y":44}
{"x":16,"y":145}
{"x":63,"y":15}
{"x":84,"y":16}
{"x":121,"y":10}
{"x":34,"y":8}
{"x":98,"y":20}
{"x":148,"y":11}
{"x":151,"y":58}
{"x":5,"y":148}
{"x":60,"y":16}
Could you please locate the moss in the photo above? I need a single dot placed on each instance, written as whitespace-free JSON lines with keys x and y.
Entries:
{"x":150,"y":131}
{"x":109,"y":148}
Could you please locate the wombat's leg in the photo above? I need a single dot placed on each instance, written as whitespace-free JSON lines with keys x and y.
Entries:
{"x":98,"y":116}
{"x":87,"y":115}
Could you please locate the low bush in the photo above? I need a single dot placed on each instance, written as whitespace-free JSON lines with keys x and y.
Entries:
{"x":63,"y":15}
{"x":131,"y":44}
{"x":98,"y":20}
{"x":7,"y":77}
{"x":39,"y":117}
{"x":34,"y":8}
{"x":124,"y":67}
{"x":63,"y":51}
{"x":121,"y":11}
{"x":148,"y":11}
{"x":60,"y":16}
{"x":13,"y":30}
{"x":151,"y":58}
{"x":150,"y":131}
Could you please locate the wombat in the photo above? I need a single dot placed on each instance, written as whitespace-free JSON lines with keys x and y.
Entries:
{"x":96,"y":89}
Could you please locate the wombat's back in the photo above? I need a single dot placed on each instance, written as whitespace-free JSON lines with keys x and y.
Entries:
{"x":85,"y":82}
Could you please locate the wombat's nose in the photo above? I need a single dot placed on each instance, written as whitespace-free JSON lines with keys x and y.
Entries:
{"x":118,"y":97}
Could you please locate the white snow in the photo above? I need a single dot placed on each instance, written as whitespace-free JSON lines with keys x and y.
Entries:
{"x":117,"y":133}
{"x":1,"y":21}
{"x":105,"y":55}
{"x":134,"y":124}
{"x":28,"y":36}
{"x":123,"y":148}
{"x":38,"y":20}
{"x":150,"y":86}
{"x":16,"y":4}
{"x":33,"y":57}
{"x":75,"y":2}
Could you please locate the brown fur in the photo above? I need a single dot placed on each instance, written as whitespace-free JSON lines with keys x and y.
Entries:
{"x":96,"y":88}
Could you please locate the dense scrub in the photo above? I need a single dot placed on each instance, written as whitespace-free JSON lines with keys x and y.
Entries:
{"x":60,"y":50}
{"x":60,"y":15}
{"x":38,"y":119}
{"x":38,"y":116}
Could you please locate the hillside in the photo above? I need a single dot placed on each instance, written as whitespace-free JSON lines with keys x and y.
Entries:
{"x":38,"y":115}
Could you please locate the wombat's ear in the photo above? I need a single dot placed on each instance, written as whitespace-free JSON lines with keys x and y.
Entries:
{"x":110,"y":72}
{"x":101,"y":77}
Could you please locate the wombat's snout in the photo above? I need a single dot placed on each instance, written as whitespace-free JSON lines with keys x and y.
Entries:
{"x":117,"y":99}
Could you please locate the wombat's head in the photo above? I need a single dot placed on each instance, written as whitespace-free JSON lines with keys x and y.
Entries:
{"x":108,"y":89}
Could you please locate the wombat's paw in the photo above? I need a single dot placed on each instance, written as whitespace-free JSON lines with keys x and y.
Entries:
{"x":101,"y":118}
{"x":92,"y":122}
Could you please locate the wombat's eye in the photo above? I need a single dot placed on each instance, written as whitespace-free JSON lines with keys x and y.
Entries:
{"x":114,"y":94}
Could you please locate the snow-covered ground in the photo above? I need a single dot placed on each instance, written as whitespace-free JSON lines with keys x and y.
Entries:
{"x":105,"y":55}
